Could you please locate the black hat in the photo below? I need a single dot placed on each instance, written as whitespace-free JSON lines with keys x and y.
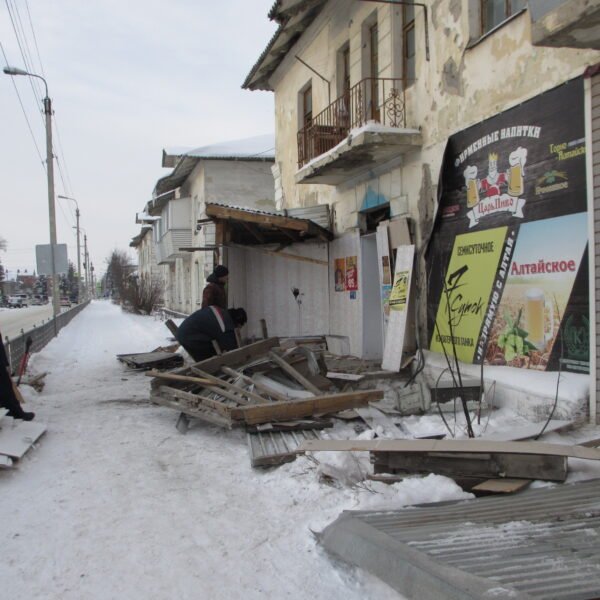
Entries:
{"x":220,"y":271}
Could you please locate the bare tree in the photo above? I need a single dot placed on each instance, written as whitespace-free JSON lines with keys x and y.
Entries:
{"x":118,"y":271}
{"x":141,"y":295}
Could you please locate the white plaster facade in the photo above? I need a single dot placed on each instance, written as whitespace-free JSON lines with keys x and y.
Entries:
{"x":234,"y":182}
{"x":466,"y":78}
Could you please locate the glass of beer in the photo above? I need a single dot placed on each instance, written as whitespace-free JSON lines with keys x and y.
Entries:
{"x":535,"y":318}
{"x":472,"y":193}
{"x":515,"y":180}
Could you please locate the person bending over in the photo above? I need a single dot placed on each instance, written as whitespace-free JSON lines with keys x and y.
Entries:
{"x":197,"y":332}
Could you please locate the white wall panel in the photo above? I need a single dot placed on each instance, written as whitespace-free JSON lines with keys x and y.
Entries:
{"x":346,"y":314}
{"x":268,"y":290}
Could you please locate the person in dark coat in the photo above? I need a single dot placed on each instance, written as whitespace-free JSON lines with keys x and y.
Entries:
{"x":8,"y":398}
{"x":197,"y":332}
{"x":214,"y":294}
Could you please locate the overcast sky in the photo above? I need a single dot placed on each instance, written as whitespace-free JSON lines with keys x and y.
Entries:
{"x":127,"y":78}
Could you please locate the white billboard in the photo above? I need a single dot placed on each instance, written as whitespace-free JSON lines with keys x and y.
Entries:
{"x":43,"y":257}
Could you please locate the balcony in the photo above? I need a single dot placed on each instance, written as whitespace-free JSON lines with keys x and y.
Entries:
{"x":565,"y":23}
{"x":363,"y":128}
{"x":168,"y":248}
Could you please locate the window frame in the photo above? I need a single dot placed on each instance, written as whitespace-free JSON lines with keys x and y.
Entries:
{"x":509,"y":13}
{"x":407,"y":26}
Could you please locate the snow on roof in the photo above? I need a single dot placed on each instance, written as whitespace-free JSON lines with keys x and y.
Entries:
{"x":260,"y":146}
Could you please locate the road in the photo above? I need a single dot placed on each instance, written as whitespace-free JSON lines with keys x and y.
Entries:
{"x":12,"y":320}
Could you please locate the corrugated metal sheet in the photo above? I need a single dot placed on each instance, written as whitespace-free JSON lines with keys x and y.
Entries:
{"x":317,"y":214}
{"x":543,"y":543}
{"x":269,"y":448}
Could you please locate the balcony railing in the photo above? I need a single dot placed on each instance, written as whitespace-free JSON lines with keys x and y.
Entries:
{"x":371,"y":99}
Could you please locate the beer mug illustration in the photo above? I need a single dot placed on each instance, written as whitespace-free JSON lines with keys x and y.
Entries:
{"x":516,"y":160}
{"x":536,"y":308}
{"x":470,"y":175}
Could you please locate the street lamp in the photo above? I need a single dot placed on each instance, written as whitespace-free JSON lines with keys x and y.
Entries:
{"x":78,"y":247}
{"x":50,"y":171}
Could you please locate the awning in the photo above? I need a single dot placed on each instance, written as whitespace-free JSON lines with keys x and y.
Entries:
{"x":249,"y":227}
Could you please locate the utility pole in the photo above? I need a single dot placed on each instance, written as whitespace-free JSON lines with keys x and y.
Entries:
{"x":50,"y":172}
{"x":77,"y":213}
{"x":85,"y":266}
{"x":93,"y":282}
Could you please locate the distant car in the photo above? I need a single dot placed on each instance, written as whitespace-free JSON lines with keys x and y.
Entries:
{"x":65,"y":301}
{"x":18,"y":301}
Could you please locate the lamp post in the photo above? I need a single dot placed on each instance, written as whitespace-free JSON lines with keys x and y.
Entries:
{"x":78,"y":246}
{"x":50,"y":171}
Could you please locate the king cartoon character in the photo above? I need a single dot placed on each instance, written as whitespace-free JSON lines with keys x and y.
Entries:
{"x":490,"y":185}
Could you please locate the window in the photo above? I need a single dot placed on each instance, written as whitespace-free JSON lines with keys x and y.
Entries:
{"x":493,"y":12}
{"x":307,"y":111}
{"x":374,"y":71}
{"x":408,"y":44}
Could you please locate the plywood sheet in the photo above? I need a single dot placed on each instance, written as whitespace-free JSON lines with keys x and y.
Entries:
{"x":468,"y":446}
{"x":399,"y":301}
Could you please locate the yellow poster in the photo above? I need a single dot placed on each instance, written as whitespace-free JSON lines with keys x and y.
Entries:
{"x":467,"y":288}
{"x":399,"y":293}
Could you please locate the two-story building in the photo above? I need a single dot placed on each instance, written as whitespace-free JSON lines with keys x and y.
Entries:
{"x":236,"y":173}
{"x":471,"y":118}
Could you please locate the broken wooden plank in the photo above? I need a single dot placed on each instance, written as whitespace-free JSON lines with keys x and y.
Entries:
{"x":236,"y":357}
{"x":236,"y":389}
{"x":486,"y":466}
{"x":170,"y":324}
{"x":263,"y":328}
{"x":344,"y":376}
{"x":303,"y":381}
{"x":198,"y":412}
{"x":265,"y":389}
{"x":297,"y":425}
{"x":174,"y":377}
{"x":272,"y":448}
{"x":17,"y":437}
{"x":500,"y":486}
{"x":296,"y":409}
{"x":194,"y":400}
{"x":149,"y":360}
{"x":468,"y":446}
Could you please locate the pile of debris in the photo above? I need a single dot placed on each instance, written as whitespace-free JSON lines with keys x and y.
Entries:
{"x":278,"y":393}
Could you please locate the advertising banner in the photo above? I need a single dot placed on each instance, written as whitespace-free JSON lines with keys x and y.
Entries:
{"x":351,"y":273}
{"x":507,"y":263}
{"x":340,"y":274}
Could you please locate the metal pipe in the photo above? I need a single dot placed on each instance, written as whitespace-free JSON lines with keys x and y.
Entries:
{"x":318,"y":75}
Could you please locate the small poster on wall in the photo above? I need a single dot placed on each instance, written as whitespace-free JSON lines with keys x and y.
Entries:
{"x":386,"y":271}
{"x":340,"y":274}
{"x":351,"y":273}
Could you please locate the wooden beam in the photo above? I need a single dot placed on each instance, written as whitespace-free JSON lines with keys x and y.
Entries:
{"x":521,"y":466}
{"x":305,"y":383}
{"x":215,"y":381}
{"x":473,"y":446}
{"x":314,"y":261}
{"x":263,"y":328}
{"x":227,"y":213}
{"x":296,"y":409}
{"x":175,"y":377}
{"x":170,"y":324}
{"x":265,"y":389}
{"x":175,"y":394}
{"x":198,"y":412}
{"x":254,"y":232}
{"x":234,"y":358}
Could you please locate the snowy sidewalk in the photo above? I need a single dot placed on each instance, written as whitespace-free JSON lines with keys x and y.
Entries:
{"x":115,"y":503}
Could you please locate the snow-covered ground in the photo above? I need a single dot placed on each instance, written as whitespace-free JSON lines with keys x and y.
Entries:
{"x":115,"y":503}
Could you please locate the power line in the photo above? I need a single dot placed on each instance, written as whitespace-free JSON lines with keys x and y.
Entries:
{"x":34,"y":38}
{"x":22,"y":52}
{"x":24,"y":111}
